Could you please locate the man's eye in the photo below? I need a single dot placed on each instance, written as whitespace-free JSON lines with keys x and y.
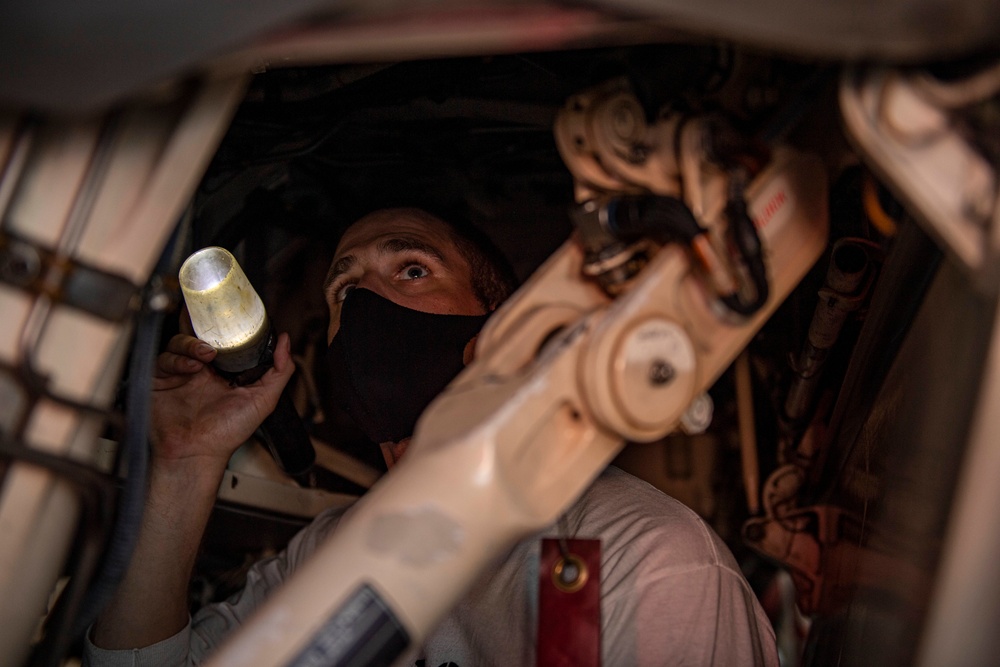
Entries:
{"x":342,"y":292}
{"x":414,"y":271}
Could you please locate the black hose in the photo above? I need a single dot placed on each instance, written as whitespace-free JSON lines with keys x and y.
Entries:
{"x":135,"y":445}
{"x":287,"y":440}
{"x":663,"y":219}
{"x":743,"y":236}
{"x":668,"y":219}
{"x":100,"y":560}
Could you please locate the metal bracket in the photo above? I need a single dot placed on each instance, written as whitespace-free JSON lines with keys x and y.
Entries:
{"x":30,"y":267}
{"x":907,"y":125}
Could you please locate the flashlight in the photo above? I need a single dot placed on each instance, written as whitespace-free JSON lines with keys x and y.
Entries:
{"x":228,"y":314}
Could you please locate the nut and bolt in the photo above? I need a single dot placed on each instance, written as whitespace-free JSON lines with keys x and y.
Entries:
{"x":638,"y":153}
{"x":19,"y":264}
{"x":661,"y":372}
{"x":698,"y":416}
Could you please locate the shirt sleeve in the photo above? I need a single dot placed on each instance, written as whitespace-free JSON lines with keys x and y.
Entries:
{"x":213,"y":622}
{"x":705,"y":616}
{"x":171,"y":651}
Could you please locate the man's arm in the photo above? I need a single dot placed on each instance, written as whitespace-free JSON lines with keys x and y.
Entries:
{"x":198,"y":422}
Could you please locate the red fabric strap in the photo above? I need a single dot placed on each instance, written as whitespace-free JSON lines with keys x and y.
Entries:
{"x":569,"y":604}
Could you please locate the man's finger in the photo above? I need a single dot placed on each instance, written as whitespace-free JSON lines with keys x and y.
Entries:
{"x":192,"y":347}
{"x":283,"y":355}
{"x":170,"y":363}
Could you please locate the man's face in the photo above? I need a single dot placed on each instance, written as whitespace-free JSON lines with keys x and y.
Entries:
{"x":407,"y":259}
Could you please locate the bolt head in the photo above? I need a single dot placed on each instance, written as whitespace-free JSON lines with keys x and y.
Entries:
{"x":661,"y":372}
{"x":638,"y":153}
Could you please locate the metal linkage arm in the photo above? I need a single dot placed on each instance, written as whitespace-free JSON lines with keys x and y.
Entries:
{"x":563,"y":375}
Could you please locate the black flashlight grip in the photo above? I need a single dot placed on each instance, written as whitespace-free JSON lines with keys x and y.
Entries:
{"x":287,"y":439}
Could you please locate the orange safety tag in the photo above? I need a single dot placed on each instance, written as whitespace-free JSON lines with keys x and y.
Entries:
{"x":569,"y":603}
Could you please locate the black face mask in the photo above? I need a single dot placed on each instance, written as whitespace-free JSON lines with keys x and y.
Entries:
{"x":387,"y":362}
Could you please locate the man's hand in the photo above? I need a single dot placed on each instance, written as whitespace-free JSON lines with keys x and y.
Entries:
{"x":198,"y":422}
{"x":197,"y":415}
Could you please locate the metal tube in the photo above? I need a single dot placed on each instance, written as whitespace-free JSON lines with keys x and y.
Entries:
{"x":842,"y":294}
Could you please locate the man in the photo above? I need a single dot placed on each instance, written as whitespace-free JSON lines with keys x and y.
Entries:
{"x":671,"y":592}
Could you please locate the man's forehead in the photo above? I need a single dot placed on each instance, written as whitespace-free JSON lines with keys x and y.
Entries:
{"x":394,"y":232}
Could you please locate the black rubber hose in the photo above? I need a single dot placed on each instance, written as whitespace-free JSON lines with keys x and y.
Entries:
{"x":135,"y":449}
{"x":743,"y":235}
{"x":287,"y":440}
{"x":667,"y":219}
{"x":660,"y":218}
{"x":135,"y":445}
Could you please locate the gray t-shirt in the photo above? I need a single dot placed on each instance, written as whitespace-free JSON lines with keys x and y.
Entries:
{"x":671,"y":594}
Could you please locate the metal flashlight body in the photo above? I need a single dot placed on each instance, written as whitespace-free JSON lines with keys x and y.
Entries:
{"x":227,"y":313}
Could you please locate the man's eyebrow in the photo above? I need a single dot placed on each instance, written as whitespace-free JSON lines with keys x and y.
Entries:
{"x":342,"y":265}
{"x":407,"y":243}
{"x":388,"y":246}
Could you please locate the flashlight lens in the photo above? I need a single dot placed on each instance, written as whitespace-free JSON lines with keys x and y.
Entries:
{"x":225,"y":310}
{"x":207,"y":269}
